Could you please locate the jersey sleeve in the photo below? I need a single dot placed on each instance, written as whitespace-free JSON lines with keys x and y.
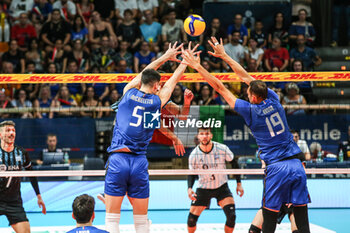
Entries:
{"x":243,"y":108}
{"x":228,"y":154}
{"x":27,"y":164}
{"x":271,"y":95}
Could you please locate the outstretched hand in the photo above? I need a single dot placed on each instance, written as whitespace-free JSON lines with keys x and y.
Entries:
{"x":219,"y":50}
{"x":173,"y":51}
{"x":179,"y":147}
{"x":190,"y":57}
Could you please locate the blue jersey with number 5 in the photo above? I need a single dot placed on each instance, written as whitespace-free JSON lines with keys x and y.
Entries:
{"x":131,"y":129}
{"x":268,"y":124}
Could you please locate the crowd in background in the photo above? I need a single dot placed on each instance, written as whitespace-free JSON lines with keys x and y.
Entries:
{"x":113,"y":36}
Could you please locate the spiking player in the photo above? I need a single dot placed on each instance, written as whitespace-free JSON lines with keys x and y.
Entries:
{"x":138,"y":115}
{"x":285,"y":178}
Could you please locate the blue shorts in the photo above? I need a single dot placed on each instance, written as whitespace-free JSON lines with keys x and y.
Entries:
{"x":127,"y":173}
{"x":285,"y":182}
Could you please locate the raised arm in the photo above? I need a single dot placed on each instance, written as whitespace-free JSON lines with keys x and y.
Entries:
{"x":219,"y":51}
{"x":178,"y":146}
{"x":181,"y":112}
{"x":194,"y":61}
{"x":170,"y":54}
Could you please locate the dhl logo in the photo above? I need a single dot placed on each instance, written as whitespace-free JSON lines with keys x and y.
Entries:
{"x":42,"y":79}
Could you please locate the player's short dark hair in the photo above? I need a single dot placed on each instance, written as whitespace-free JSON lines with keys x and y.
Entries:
{"x":149,"y":77}
{"x":204,"y":128}
{"x":6,"y":123}
{"x":51,"y":135}
{"x":258,"y":88}
{"x":293,"y":131}
{"x":83,"y":208}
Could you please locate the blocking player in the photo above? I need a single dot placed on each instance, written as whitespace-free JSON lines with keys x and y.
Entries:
{"x":285,"y":178}
{"x":14,"y":158}
{"x":126,"y":169}
{"x":211,"y":155}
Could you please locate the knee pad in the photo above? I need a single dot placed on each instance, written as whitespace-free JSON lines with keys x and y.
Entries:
{"x":192,"y":220}
{"x":254,"y":229}
{"x":230,"y":212}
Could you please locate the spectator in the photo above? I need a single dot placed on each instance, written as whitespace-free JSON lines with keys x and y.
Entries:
{"x":129,"y":31}
{"x":83,"y":213}
{"x":302,"y":26}
{"x":344,"y":146}
{"x":173,"y":29}
{"x":7,"y":68}
{"x":297,"y":65}
{"x":279,"y":30}
{"x":44,"y":101}
{"x":259,"y":35}
{"x":36,"y":55}
{"x":252,"y":65}
{"x":151,"y":5}
{"x":177,"y":96}
{"x":57,"y":55}
{"x":67,"y":8}
{"x":105,"y":8}
{"x":51,"y":150}
{"x":293,"y":98}
{"x":18,"y":7}
{"x":219,"y":99}
{"x":63,"y":100}
{"x":144,"y":56}
{"x":164,"y":7}
{"x":206,"y":96}
{"x":21,"y":101}
{"x":104,"y":56}
{"x":23,"y":32}
{"x":305,"y":53}
{"x":234,"y":49}
{"x":101,"y":90}
{"x":123,"y":54}
{"x":302,"y":145}
{"x":85,"y":9}
{"x":276,"y":56}
{"x":41,"y":12}
{"x":79,"y":55}
{"x":5,"y":103}
{"x":30,"y":67}
{"x":215,"y":30}
{"x":14,"y":56}
{"x":113,"y":97}
{"x":253,"y":52}
{"x":300,"y":4}
{"x":237,"y":26}
{"x":168,"y":66}
{"x":79,"y":30}
{"x":4,"y":31}
{"x":90,"y":100}
{"x":316,"y":149}
{"x":99,"y":28}
{"x":121,"y":6}
{"x":55,"y":29}
{"x":151,"y":30}
{"x":340,"y":8}
{"x":206,"y":66}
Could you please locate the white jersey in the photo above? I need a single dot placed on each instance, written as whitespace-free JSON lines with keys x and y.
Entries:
{"x":215,"y":159}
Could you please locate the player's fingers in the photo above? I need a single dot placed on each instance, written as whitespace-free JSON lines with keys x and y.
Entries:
{"x":180,"y":46}
{"x":197,"y":53}
{"x":169,"y":46}
{"x":189,"y":45}
{"x":211,"y":44}
{"x":195,"y":48}
{"x":213,"y":38}
{"x":211,"y":53}
{"x":221,"y":41}
{"x":174,"y":46}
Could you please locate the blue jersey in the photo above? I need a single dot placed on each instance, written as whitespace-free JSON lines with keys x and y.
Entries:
{"x":87,"y":229}
{"x":268,"y":124}
{"x":137,"y":117}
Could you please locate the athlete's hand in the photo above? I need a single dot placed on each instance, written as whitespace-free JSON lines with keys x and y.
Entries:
{"x":191,"y":194}
{"x":239,"y":190}
{"x":188,"y":95}
{"x":190,"y":57}
{"x":173,"y":51}
{"x":179,"y":147}
{"x":41,"y":204}
{"x":219,"y":50}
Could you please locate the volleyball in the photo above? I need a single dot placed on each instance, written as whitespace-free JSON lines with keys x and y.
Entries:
{"x":194,"y":25}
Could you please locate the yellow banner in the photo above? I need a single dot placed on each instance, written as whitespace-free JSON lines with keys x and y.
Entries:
{"x":188,"y":77}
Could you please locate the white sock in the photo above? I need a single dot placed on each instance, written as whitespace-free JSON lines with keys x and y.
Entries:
{"x":141,"y":223}
{"x":112,"y":222}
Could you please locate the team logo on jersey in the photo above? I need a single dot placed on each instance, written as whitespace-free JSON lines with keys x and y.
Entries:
{"x":151,"y":120}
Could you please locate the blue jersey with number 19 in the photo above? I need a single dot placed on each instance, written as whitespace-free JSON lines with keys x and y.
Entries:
{"x":130,"y":130}
{"x":268,"y":124}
